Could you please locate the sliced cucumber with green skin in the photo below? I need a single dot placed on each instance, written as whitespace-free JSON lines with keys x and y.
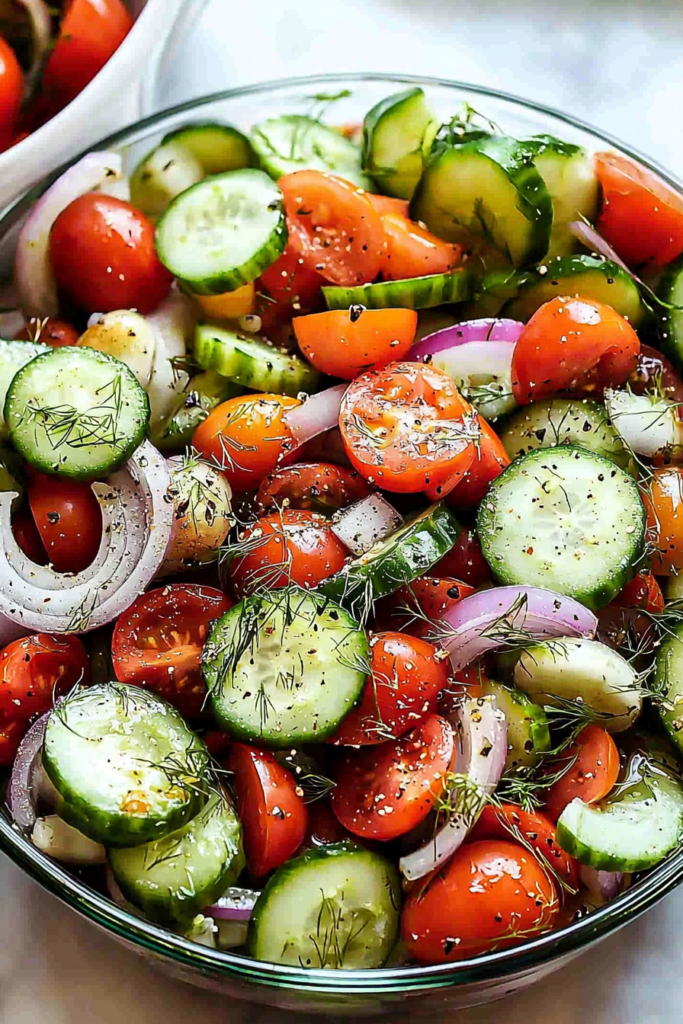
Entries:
{"x":564,"y":519}
{"x":412,"y":293}
{"x":163,"y":174}
{"x":570,"y":178}
{"x":585,"y":671}
{"x":13,"y":356}
{"x":488,"y":187}
{"x":632,"y":830}
{"x":393,"y":136}
{"x":591,"y":277}
{"x":217,"y":147}
{"x":202,"y":394}
{"x":77,"y":412}
{"x":296,"y":143}
{"x":668,"y":681}
{"x":336,"y":906}
{"x":126,"y":766}
{"x":284,"y":668}
{"x":223,"y":232}
{"x":574,"y":421}
{"x":401,"y":558}
{"x":246,"y":360}
{"x":670,"y":321}
{"x":528,"y":732}
{"x":175,"y":877}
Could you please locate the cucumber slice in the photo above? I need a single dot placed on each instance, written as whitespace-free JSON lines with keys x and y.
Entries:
{"x":393,"y":136}
{"x":202,"y":394}
{"x":632,"y":830}
{"x":572,"y":421}
{"x":591,"y":277}
{"x":570,"y":178}
{"x":217,"y":147}
{"x":564,"y":519}
{"x":399,"y":559}
{"x":77,"y":412}
{"x":412,"y":293}
{"x":163,"y":174}
{"x":670,"y":321}
{"x":284,"y":668}
{"x":296,"y":143}
{"x":488,"y":187}
{"x":336,"y":906}
{"x":223,"y":232}
{"x":586,"y":671}
{"x":668,"y":681}
{"x":175,"y":877}
{"x":528,"y":732}
{"x":126,"y":766}
{"x":246,"y":360}
{"x":14,"y":355}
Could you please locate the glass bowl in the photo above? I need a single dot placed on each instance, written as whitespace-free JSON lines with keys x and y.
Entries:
{"x":398,"y":990}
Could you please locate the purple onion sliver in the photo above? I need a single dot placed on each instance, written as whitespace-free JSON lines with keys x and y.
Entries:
{"x":236,"y":905}
{"x":594,"y":240}
{"x":21,"y":800}
{"x":604,"y":884}
{"x":485,"y":329}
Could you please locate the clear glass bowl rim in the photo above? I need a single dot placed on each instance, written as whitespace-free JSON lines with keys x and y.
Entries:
{"x":147,"y":936}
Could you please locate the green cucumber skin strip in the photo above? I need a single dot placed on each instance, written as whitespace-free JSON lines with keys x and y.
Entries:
{"x":253,"y":363}
{"x":669,"y":679}
{"x":412,"y":293}
{"x":391,"y":180}
{"x":194,"y":137}
{"x":670,"y":321}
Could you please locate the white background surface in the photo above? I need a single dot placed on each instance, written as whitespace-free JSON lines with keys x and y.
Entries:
{"x":616,"y":63}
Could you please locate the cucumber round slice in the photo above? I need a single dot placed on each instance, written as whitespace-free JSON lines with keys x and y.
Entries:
{"x":296,"y":143}
{"x":412,"y":293}
{"x":591,"y":277}
{"x":126,"y":766}
{"x":174,"y":878}
{"x":393,"y":135}
{"x":668,"y":681}
{"x":217,"y":147}
{"x":399,"y":559}
{"x":223,"y":232}
{"x":333,"y":907}
{"x":14,"y":355}
{"x":564,"y":519}
{"x":253,"y":363}
{"x":670,"y":321}
{"x":163,"y":174}
{"x":528,"y":732}
{"x":489,"y":188}
{"x":284,"y":668}
{"x":631,"y":831}
{"x":572,"y":421}
{"x":77,"y":412}
{"x":570,"y":178}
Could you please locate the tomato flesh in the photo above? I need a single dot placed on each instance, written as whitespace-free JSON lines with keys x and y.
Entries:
{"x":592,"y":775}
{"x":465,"y":561}
{"x":489,"y":462}
{"x":68,"y":519}
{"x":509,"y":821}
{"x":36,"y":669}
{"x":343,"y":343}
{"x":642,"y":591}
{"x":411,"y":251}
{"x":49,"y":331}
{"x":315,"y":486}
{"x":11,"y":91}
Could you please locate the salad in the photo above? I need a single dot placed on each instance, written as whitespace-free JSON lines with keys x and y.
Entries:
{"x":49,"y":52}
{"x":340,"y":533}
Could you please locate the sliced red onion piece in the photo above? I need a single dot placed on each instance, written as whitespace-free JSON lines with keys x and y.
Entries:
{"x":33,"y":274}
{"x":606,"y":885}
{"x":173,"y":323}
{"x":235,"y":905}
{"x":316,"y":414}
{"x":22,"y":796}
{"x":484,"y":621}
{"x":485,"y":330}
{"x":482,"y":371}
{"x":593,"y":240}
{"x":481,"y":748}
{"x":366,"y":523}
{"x":647,"y":424}
{"x":137,"y":518}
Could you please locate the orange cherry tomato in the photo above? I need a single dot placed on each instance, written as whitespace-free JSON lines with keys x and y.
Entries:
{"x":246,"y":437}
{"x":592,"y":775}
{"x":641,"y":216}
{"x":493,"y":894}
{"x":388,"y":204}
{"x":343,"y":343}
{"x":465,"y":561}
{"x":286,"y":547}
{"x":663,"y":498}
{"x":489,"y":462}
{"x":319,"y":486}
{"x":68,"y":518}
{"x":642,"y":591}
{"x":333,"y":226}
{"x":407,"y":674}
{"x":509,"y":820}
{"x":412,"y":251}
{"x":386,"y":790}
{"x":403,"y":428}
{"x":49,"y":331}
{"x":290,"y":281}
{"x":572,"y":344}
{"x":270,"y":806}
{"x":37,"y":669}
{"x":11,"y":90}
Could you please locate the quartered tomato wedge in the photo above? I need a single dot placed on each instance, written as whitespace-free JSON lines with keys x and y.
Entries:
{"x":318,"y":486}
{"x":291,"y":281}
{"x":511,"y":822}
{"x":593,"y":768}
{"x":643,"y":591}
{"x":35,"y":670}
{"x":489,"y":462}
{"x":411,"y":251}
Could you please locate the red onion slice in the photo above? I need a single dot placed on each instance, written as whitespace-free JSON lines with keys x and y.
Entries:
{"x":137,"y":531}
{"x":593,"y":240}
{"x":33,"y":274}
{"x":606,"y":885}
{"x":316,"y":414}
{"x":22,"y":798}
{"x":481,"y":748}
{"x":173,"y":323}
{"x":647,"y":424}
{"x":366,"y":523}
{"x":483,"y":622}
{"x":486,"y":330}
{"x":235,"y":905}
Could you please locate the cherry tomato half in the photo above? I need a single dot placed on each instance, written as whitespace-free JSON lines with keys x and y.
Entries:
{"x":36,"y":669}
{"x":655,"y":372}
{"x":663,"y":498}
{"x":318,"y":486}
{"x":591,"y":776}
{"x":491,"y":895}
{"x":411,"y":251}
{"x":103,"y":256}
{"x":270,"y":806}
{"x":49,"y":331}
{"x":11,"y":91}
{"x":68,"y":518}
{"x":642,"y":591}
{"x":427,"y":598}
{"x":465,"y":561}
{"x":490,"y":460}
{"x":404,"y":428}
{"x":157,"y":642}
{"x":343,"y":343}
{"x":385,"y":791}
{"x":572,"y":344}
{"x":290,"y":281}
{"x":510,"y":821}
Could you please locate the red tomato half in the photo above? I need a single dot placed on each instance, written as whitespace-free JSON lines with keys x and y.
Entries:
{"x":489,"y":462}
{"x":643,"y":591}
{"x":509,"y":821}
{"x":343,"y":343}
{"x":27,"y":537}
{"x":318,"y":486}
{"x":11,"y":91}
{"x":412,"y":604}
{"x":36,"y":669}
{"x":465,"y":561}
{"x":592,"y":775}
{"x":68,"y":518}
{"x":49,"y":331}
{"x":270,"y":806}
{"x":412,"y":251}
{"x":158,"y":642}
{"x":291,"y":282}
{"x":385,"y":791}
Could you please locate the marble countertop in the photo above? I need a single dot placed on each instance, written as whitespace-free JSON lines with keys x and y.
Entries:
{"x":615,"y":63}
